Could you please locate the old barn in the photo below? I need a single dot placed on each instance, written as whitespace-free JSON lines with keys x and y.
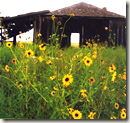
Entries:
{"x":89,"y":21}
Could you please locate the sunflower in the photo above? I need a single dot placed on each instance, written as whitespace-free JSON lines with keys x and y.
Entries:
{"x":52,"y":77}
{"x":94,"y":53}
{"x":29,"y":53}
{"x":123,"y":115}
{"x":98,"y":39}
{"x":91,"y":115}
{"x":106,"y":28}
{"x":76,"y":114}
{"x":114,"y":74}
{"x":105,"y":88}
{"x":102,"y":62}
{"x":119,"y":76}
{"x":94,"y":56}
{"x":124,"y":73}
{"x":72,"y":15}
{"x":123,"y":110}
{"x":14,"y":61}
{"x":53,"y":17}
{"x":124,"y":77}
{"x":57,"y":58}
{"x":67,"y":80}
{"x":83,"y":91}
{"x":49,"y":62}
{"x":92,"y":80}
{"x":39,"y":35}
{"x":25,"y":68}
{"x":116,"y":105}
{"x":20,"y":85}
{"x":112,"y":68}
{"x":113,"y":78}
{"x":113,"y":117}
{"x":40,"y":59}
{"x":9,"y":44}
{"x":52,"y":93}
{"x":87,"y":61}
{"x":42,"y":47}
{"x":125,"y":86}
{"x":84,"y":95}
{"x":7,"y":68}
{"x":55,"y":88}
{"x":20,"y":32}
{"x":59,"y":22}
{"x":70,"y":110}
{"x":124,"y":94}
{"x":95,"y":44}
{"x":91,"y":71}
{"x":21,"y":46}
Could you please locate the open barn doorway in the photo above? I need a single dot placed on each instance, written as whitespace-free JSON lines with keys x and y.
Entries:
{"x":75,"y":39}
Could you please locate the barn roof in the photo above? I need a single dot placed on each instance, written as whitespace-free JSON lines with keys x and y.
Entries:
{"x":84,"y":9}
{"x":27,"y":15}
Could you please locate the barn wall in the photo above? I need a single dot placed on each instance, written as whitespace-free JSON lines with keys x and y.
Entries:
{"x":119,"y":30}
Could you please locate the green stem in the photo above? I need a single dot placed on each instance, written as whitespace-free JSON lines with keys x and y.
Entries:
{"x":63,"y":30}
{"x":38,"y":92}
{"x":8,"y":79}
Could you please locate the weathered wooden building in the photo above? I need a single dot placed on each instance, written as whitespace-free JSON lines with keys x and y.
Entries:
{"x":89,"y":21}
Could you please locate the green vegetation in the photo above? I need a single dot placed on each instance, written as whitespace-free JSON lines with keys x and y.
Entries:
{"x":45,"y":82}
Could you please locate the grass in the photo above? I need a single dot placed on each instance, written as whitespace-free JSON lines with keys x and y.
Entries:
{"x":55,"y":83}
{"x":75,"y":45}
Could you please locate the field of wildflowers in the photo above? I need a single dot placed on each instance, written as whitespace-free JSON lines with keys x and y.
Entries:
{"x":43,"y":81}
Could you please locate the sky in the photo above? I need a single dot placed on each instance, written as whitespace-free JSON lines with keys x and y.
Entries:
{"x":15,"y":7}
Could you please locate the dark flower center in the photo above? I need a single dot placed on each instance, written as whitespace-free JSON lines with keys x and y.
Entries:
{"x":8,"y":44}
{"x":91,"y":79}
{"x":67,"y":79}
{"x":76,"y":114}
{"x":29,"y":53}
{"x":88,"y":61}
{"x":43,"y":46}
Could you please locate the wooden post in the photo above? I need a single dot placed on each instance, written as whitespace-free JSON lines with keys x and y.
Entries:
{"x":14,"y":40}
{"x":40,"y":24}
{"x":117,"y":34}
{"x":0,"y":34}
{"x":110,"y":28}
{"x":48,"y":22}
{"x":1,"y":30}
{"x":80,"y":38}
{"x":122,"y":31}
{"x":124,"y":42}
{"x":34,"y":31}
{"x":82,"y":35}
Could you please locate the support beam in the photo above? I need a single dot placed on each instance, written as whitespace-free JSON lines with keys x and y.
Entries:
{"x":34,"y":30}
{"x":40,"y":25}
{"x":122,"y":31}
{"x":110,"y":28}
{"x":118,"y":34}
{"x":14,"y":40}
{"x":48,"y":22}
{"x":80,"y":38}
{"x":82,"y":35}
